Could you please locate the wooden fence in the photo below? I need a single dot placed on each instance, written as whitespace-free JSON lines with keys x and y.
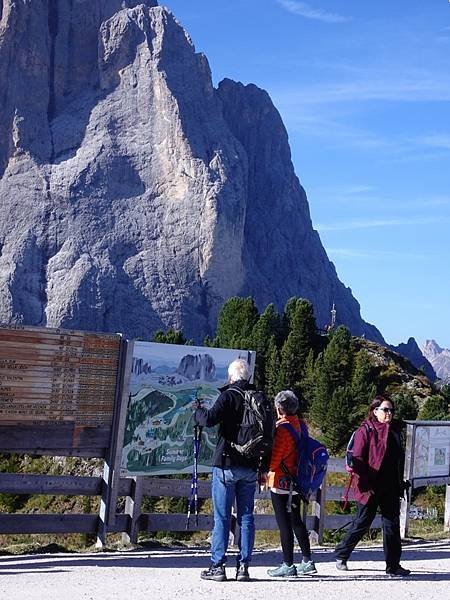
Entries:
{"x":133,"y":520}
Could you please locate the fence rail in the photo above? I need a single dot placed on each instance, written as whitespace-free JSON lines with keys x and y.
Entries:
{"x":134,"y":521}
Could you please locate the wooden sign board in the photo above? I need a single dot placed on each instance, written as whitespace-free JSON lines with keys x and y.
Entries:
{"x":54,"y":378}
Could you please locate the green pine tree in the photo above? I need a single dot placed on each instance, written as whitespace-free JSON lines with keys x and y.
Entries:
{"x":405,"y":405}
{"x":333,"y":371}
{"x":300,"y":323}
{"x":318,"y":405}
{"x":337,"y":426}
{"x":171,"y":337}
{"x":272,"y":369}
{"x":363,"y":388}
{"x":267,"y":326}
{"x":436,"y":408}
{"x":235,"y":323}
{"x":308,"y":383}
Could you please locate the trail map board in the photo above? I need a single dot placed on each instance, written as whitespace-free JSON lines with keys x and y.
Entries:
{"x":56,"y":377}
{"x":165,"y":381}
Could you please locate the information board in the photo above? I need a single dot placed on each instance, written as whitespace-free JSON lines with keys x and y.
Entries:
{"x":57,"y":376}
{"x":165,"y":381}
{"x":432,"y":451}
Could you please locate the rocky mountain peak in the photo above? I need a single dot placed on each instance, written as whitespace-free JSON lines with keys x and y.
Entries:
{"x":431,"y":348}
{"x":412,"y":352}
{"x":439,"y":358}
{"x":134,"y":195}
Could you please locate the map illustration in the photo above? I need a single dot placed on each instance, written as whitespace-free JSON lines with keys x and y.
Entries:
{"x":165,"y":382}
{"x":432,"y":451}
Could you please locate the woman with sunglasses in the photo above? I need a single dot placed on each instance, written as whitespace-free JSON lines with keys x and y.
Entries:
{"x":378,"y":483}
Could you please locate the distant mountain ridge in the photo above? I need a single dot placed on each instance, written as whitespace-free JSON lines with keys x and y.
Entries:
{"x":412,"y":352}
{"x":439,"y":358}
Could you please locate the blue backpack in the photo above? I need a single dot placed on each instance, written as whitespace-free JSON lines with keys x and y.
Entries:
{"x":312,"y":462}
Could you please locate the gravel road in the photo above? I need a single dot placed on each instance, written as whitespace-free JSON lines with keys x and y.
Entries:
{"x":174,"y":573}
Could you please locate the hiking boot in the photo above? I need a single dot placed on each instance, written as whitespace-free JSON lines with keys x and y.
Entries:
{"x":341,"y":564}
{"x":283,"y":570}
{"x":242,"y":573}
{"x":398,"y":571}
{"x":214,"y":573}
{"x":306,"y":568}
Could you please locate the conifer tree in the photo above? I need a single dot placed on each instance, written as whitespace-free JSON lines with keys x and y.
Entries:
{"x":267,"y":326}
{"x":308,"y":383}
{"x":300,"y":323}
{"x":363,"y":388}
{"x":272,"y":369}
{"x":235,"y":323}
{"x":338,"y":357}
{"x":291,"y":368}
{"x":318,"y":405}
{"x":171,"y":337}
{"x":332,"y":372}
{"x":436,"y":408}
{"x":337,"y":427}
{"x":405,"y":405}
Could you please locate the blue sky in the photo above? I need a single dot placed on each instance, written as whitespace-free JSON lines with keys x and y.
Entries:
{"x":364,"y":91}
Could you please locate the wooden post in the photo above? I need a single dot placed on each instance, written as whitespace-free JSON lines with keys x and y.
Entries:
{"x":408,"y":473}
{"x":320,"y":501}
{"x":111,"y":468}
{"x":133,"y":510}
{"x":447,"y":508}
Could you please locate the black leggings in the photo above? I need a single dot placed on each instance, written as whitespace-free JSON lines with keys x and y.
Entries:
{"x":288,"y":524}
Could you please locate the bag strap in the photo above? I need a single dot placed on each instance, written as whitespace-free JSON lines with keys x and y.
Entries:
{"x":299,"y":437}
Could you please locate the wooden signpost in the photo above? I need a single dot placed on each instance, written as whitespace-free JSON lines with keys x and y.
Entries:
{"x":57,"y":390}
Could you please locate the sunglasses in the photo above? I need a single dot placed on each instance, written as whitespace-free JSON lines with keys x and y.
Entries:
{"x":387,"y":410}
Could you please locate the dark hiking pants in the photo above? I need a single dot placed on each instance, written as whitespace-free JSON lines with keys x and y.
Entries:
{"x":390,"y":513}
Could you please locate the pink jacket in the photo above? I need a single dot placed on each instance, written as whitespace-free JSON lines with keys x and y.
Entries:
{"x":368,"y":453}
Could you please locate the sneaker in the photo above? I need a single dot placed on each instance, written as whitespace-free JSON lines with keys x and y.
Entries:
{"x":341,"y":564}
{"x":283,"y":570}
{"x":242,"y":573}
{"x":214,"y":573}
{"x":306,"y":568}
{"x":398,"y":571}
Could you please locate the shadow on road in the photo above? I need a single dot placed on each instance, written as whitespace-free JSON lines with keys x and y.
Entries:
{"x":194,"y":558}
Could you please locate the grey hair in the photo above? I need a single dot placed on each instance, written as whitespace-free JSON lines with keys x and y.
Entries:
{"x":238,"y":369}
{"x":287,"y":402}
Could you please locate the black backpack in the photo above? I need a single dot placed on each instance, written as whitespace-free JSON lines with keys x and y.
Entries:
{"x":255,"y":434}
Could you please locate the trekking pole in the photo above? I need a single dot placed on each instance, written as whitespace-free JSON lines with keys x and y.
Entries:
{"x":193,"y":494}
{"x":197,"y":441}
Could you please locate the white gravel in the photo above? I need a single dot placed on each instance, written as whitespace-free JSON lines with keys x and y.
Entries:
{"x":175,"y":573}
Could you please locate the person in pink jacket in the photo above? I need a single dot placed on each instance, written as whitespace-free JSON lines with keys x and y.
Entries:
{"x":378,"y":483}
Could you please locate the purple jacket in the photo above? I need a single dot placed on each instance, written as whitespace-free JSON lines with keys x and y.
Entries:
{"x":368,"y":453}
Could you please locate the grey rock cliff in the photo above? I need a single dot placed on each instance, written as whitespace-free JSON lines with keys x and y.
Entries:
{"x":439,"y":358}
{"x":134,"y":196}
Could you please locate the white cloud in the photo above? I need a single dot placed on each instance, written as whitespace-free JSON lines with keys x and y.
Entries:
{"x":372,"y":223}
{"x":439,"y":140}
{"x":351,"y":253}
{"x":303,"y":9}
{"x":408,"y":89}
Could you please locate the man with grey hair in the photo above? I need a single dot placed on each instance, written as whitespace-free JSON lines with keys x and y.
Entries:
{"x":233,"y":476}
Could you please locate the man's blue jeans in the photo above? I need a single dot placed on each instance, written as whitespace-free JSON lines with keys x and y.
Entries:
{"x":228,"y":485}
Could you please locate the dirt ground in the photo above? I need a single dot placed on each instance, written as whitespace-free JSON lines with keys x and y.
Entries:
{"x":172,"y":573}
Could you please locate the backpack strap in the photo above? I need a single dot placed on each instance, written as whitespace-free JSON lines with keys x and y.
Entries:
{"x":299,"y":437}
